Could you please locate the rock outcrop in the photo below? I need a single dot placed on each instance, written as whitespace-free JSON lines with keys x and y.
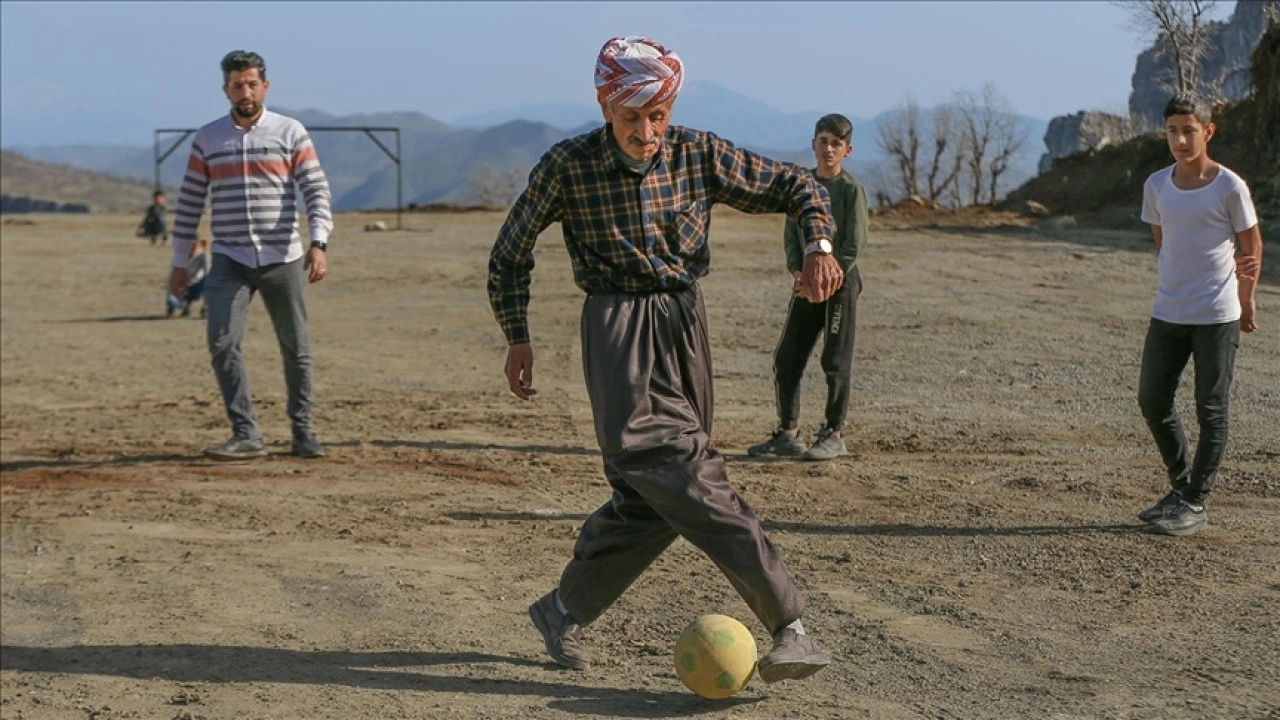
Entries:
{"x":1084,"y":131}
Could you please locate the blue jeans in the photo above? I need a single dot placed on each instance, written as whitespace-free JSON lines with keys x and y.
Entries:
{"x":1164,"y":356}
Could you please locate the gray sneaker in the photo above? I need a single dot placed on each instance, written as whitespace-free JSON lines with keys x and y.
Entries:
{"x":237,"y":448}
{"x":307,"y":447}
{"x":559,"y":632}
{"x":830,"y":445}
{"x":1157,"y":511}
{"x":1183,"y":519}
{"x":780,"y":444}
{"x":794,"y":656}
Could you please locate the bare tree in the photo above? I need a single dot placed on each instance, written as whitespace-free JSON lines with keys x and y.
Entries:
{"x":945,"y":160}
{"x":498,"y":188}
{"x":878,"y":182}
{"x":1008,"y":138}
{"x":898,"y":135}
{"x":991,"y":136}
{"x":1180,"y":26}
{"x":977,"y":120}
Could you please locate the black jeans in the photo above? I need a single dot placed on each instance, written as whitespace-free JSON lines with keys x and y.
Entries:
{"x":834,"y":320}
{"x":1164,"y":356}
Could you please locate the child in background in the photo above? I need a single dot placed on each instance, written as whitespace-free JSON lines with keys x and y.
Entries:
{"x":153,"y":224}
{"x":198,"y":263}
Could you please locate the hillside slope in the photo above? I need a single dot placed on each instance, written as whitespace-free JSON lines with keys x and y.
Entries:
{"x":61,"y":184}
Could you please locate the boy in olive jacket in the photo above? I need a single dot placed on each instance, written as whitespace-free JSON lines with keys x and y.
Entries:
{"x":833,"y":319}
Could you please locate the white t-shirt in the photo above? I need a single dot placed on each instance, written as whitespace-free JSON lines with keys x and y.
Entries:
{"x":1196,"y":265}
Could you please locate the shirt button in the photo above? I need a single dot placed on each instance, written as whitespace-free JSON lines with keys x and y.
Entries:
{"x":648,"y":217}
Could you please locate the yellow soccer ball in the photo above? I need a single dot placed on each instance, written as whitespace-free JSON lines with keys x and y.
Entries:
{"x":715,"y":656}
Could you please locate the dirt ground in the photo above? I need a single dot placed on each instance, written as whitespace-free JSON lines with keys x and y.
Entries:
{"x":976,"y":555}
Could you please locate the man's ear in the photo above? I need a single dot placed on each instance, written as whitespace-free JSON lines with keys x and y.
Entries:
{"x":1209,"y":131}
{"x":606,"y":112}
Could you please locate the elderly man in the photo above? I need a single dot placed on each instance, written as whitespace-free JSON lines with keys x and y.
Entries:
{"x":634,"y":202}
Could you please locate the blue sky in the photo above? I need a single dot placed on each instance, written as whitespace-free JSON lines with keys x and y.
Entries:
{"x":110,"y":72}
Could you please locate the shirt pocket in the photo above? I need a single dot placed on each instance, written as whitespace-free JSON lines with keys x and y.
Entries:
{"x":689,"y":227}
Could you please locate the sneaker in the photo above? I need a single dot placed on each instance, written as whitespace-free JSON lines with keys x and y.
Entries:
{"x":1157,"y":511}
{"x":794,"y":656}
{"x":780,"y":444}
{"x":1183,"y":519}
{"x":307,"y":447}
{"x":830,"y":445}
{"x":559,"y":633}
{"x":237,"y":448}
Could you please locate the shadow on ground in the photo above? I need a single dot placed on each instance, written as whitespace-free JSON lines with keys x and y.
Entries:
{"x":392,"y":670}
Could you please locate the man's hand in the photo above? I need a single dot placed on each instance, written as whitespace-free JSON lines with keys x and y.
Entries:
{"x":1247,"y":267}
{"x":520,"y":370}
{"x":1248,"y":316}
{"x":178,"y":283}
{"x":820,"y":278}
{"x":317,"y":265}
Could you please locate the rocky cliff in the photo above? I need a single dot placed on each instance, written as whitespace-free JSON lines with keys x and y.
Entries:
{"x":1224,"y":69}
{"x":1106,"y":184}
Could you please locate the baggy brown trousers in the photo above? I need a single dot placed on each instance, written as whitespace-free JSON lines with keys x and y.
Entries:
{"x":647,"y":362}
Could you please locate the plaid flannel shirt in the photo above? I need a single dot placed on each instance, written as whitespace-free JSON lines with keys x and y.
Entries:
{"x":631,"y":233}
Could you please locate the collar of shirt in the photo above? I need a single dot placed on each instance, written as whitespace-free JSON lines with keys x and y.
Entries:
{"x":622,"y":160}
{"x":261,"y":117}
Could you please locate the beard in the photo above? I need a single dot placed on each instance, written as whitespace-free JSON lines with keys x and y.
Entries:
{"x":248,"y":110}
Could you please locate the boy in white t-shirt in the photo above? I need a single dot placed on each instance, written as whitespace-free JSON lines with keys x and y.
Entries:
{"x":1199,"y":211}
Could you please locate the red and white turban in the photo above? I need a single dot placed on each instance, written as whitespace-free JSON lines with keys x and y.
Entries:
{"x":635,"y":71}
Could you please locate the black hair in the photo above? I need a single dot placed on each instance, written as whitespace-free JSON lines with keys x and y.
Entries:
{"x":836,"y":124}
{"x":1189,"y":103}
{"x":241,"y":60}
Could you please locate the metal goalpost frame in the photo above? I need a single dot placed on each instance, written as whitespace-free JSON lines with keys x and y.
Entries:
{"x":368,"y":130}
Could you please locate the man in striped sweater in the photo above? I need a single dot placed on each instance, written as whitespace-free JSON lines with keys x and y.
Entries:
{"x":250,"y":161}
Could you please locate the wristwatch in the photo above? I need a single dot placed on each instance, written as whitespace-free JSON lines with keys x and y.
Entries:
{"x":324,"y":246}
{"x":818,"y":246}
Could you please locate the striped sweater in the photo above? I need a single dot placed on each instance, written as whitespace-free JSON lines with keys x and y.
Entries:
{"x":252,"y":175}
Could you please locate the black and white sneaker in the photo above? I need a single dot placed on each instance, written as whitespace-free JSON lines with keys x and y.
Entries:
{"x":1161,"y":508}
{"x":780,"y":443}
{"x":1183,"y":519}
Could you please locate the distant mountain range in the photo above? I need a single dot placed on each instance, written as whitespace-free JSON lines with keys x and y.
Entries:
{"x":439,"y":159}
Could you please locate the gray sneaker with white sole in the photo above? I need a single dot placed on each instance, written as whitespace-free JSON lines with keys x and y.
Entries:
{"x":829,"y":446}
{"x":237,"y":448}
